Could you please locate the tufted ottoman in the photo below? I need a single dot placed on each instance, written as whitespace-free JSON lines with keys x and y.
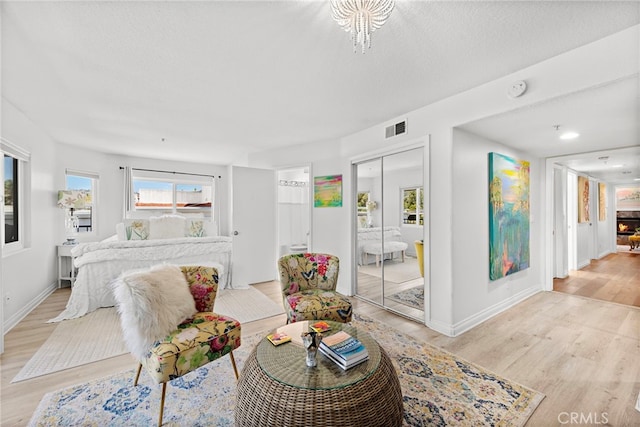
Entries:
{"x":634,"y":242}
{"x":389,"y":248}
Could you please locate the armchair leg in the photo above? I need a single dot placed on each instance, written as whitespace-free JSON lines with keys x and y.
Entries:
{"x":164,"y":390}
{"x":233,"y":363}
{"x":135,"y":382}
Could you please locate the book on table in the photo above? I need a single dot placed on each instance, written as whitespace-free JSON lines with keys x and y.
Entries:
{"x":320,"y":326}
{"x":278,"y":338}
{"x":343,"y":349}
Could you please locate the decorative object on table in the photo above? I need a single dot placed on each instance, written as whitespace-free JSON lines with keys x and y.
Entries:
{"x":487,"y":399}
{"x":509,"y":250}
{"x":343,"y":349}
{"x":371,"y":206}
{"x":320,"y":326}
{"x":168,"y":322}
{"x":311,"y":341}
{"x":361,"y":18}
{"x":327,"y":191}
{"x":71,"y":200}
{"x":309,"y":288}
{"x":278,"y":338}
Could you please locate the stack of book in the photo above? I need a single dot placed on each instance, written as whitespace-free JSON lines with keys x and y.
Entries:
{"x":345,"y":350}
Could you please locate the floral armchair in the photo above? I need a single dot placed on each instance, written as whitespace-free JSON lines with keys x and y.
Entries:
{"x":201,"y":338}
{"x":308,"y":288}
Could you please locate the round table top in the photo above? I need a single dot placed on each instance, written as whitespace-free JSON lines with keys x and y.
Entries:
{"x":286,"y":363}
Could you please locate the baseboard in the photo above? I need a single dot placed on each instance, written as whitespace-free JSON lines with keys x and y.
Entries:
{"x":604,"y":254}
{"x":484,"y":315}
{"x":583,"y":264}
{"x":22,"y":313}
{"x":441,"y":327}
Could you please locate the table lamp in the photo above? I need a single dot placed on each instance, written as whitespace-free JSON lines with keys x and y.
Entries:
{"x":70,"y":200}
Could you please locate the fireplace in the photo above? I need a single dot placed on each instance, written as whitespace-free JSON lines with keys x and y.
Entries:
{"x":627,"y":222}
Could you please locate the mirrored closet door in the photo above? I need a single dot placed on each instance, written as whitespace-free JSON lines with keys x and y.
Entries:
{"x":390,"y":217}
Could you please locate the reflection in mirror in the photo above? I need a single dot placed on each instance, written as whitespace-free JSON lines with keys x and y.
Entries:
{"x":368,"y":222}
{"x":403,"y":213}
{"x":390,"y":216}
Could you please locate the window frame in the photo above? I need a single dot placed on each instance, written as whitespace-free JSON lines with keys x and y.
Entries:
{"x":174,"y":179}
{"x":94,"y":179}
{"x":419,"y":212}
{"x":22,"y":160}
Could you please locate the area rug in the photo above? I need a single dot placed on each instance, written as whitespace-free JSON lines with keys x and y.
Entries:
{"x":412,"y":297}
{"x":98,"y":336}
{"x":246,"y":305}
{"x":395,"y":271}
{"x":438,"y":389}
{"x":76,"y":342}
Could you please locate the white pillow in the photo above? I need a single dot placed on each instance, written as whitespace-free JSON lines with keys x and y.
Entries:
{"x":201,"y":228}
{"x":167,"y":227}
{"x":152,"y":303}
{"x":120,"y":233}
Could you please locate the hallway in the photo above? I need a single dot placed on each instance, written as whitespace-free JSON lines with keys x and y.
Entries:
{"x":614,"y":278}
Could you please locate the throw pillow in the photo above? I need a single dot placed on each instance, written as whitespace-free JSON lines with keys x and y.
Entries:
{"x":195,"y":228}
{"x":136,"y":229}
{"x":166,"y":227}
{"x":152,"y":304}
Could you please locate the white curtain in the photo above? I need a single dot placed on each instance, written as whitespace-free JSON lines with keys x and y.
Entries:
{"x":127,"y":191}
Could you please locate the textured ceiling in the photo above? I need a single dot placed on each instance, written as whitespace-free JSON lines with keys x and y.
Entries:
{"x":228,"y":78}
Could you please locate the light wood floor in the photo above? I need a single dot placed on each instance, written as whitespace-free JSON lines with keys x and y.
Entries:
{"x":615,"y":278}
{"x":581,"y":353}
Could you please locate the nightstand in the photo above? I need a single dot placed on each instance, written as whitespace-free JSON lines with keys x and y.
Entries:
{"x":66,"y":269}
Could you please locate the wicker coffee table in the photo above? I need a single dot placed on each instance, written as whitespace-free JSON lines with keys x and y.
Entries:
{"x":276,"y":388}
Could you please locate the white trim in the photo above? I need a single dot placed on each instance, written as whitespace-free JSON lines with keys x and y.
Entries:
{"x":84,"y":174}
{"x":32,"y":304}
{"x":13,"y":150}
{"x":484,"y":315}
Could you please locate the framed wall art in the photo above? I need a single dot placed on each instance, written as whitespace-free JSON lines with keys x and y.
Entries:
{"x":327,"y":191}
{"x":583,"y":199}
{"x":509,"y":221}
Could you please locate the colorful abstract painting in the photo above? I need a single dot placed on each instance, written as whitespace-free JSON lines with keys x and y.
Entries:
{"x":327,"y":191}
{"x":583,"y":199}
{"x":508,"y":215}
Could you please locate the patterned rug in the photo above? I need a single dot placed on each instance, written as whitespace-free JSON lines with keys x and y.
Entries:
{"x":413,"y":297}
{"x":439,"y":389}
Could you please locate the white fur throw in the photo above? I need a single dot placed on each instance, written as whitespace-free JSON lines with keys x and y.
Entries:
{"x":151,"y":304}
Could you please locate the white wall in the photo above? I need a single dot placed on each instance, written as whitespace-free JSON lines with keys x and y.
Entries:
{"x":475,"y":297}
{"x":28,"y":286}
{"x":591,"y":65}
{"x":29,"y":275}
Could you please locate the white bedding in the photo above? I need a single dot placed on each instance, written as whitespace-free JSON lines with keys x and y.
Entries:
{"x":100,"y":262}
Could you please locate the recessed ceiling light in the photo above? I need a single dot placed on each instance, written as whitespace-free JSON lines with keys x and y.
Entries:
{"x":569,"y":135}
{"x":636,"y":179}
{"x":616,"y":166}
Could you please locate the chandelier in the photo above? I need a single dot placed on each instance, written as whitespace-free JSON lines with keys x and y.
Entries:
{"x":361,"y":18}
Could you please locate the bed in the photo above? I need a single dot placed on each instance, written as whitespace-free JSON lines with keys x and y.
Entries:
{"x":99,"y":263}
{"x":369,"y":238}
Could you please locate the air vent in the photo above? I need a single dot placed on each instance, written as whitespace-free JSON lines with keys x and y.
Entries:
{"x":397,"y":129}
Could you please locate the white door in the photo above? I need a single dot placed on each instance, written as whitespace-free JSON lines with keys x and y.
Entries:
{"x":253,"y":225}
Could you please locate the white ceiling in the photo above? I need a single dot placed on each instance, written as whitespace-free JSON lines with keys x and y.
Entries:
{"x":229,"y":78}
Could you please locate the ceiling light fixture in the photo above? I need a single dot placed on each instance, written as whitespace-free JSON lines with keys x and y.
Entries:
{"x":569,"y":135}
{"x":361,"y":18}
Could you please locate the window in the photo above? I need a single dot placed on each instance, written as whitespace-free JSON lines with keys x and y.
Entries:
{"x":86,"y":181}
{"x":11,"y":199}
{"x":15,"y":169}
{"x":165,"y":192}
{"x":413,"y":205}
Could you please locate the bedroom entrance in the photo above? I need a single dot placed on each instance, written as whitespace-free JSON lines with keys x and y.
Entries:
{"x":390,"y":215}
{"x":294,"y":213}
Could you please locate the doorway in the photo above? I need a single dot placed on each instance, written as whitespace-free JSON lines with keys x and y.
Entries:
{"x":390,"y":213}
{"x":294,"y":213}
